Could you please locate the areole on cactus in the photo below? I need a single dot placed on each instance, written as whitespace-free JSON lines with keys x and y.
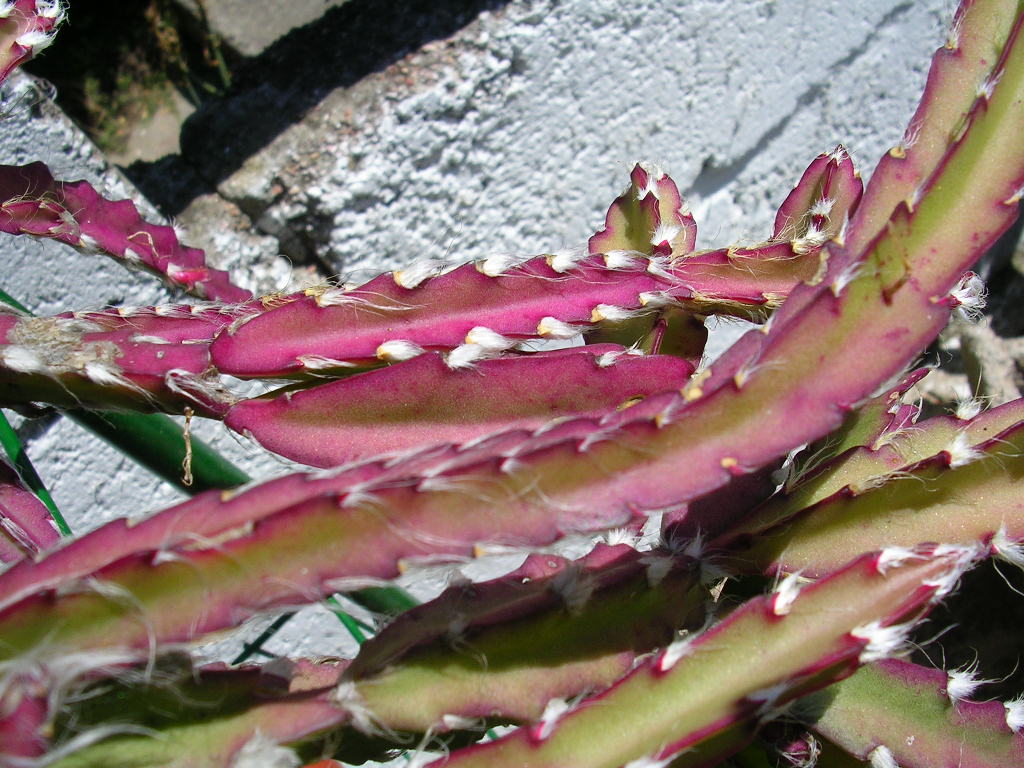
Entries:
{"x":665,"y":643}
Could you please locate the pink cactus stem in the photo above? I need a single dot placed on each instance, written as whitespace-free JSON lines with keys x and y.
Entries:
{"x":27,"y":27}
{"x":434,"y":398}
{"x":26,"y":528}
{"x":34,"y":203}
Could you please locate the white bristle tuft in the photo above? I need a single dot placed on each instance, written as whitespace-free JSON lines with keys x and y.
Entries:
{"x":838,"y":155}
{"x":1007,"y":549}
{"x":141,"y":338}
{"x":466,"y":356}
{"x":654,"y":175}
{"x":22,"y":360}
{"x":823,"y":207}
{"x":618,"y":259}
{"x":675,"y":651}
{"x":786,"y":594}
{"x":617,"y":536}
{"x":968,"y":407}
{"x":553,"y":712}
{"x":811,"y":239}
{"x":893,"y":557}
{"x":553,"y":328}
{"x":105,"y":374}
{"x":332,"y":297}
{"x":321,"y":363}
{"x":988,"y":87}
{"x":563,"y":261}
{"x":398,"y":350}
{"x":657,"y":299}
{"x":35,"y":39}
{"x":665,"y":233}
{"x":261,"y":751}
{"x":511,"y":465}
{"x":767,"y":699}
{"x":415,"y":273}
{"x":611,"y":313}
{"x":882,"y":642}
{"x":970,"y":294}
{"x":964,"y":558}
{"x":845,"y":277}
{"x":961,"y":452}
{"x":458,"y":722}
{"x":489,"y":339}
{"x":1015,"y":714}
{"x":659,"y":267}
{"x":493,"y":266}
{"x":961,"y":684}
{"x":882,"y":757}
{"x":50,"y":9}
{"x":346,"y":696}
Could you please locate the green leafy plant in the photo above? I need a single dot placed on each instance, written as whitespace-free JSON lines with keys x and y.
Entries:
{"x":728,"y":614}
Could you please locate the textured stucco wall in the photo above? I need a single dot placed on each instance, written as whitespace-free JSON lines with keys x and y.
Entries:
{"x":512,"y":136}
{"x":516,"y":133}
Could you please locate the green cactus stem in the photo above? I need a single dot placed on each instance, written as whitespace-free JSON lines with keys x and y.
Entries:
{"x":915,"y":717}
{"x":763,"y":654}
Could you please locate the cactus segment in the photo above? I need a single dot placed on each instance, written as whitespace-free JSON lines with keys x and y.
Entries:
{"x":821,"y":203}
{"x":648,"y":218}
{"x":866,"y":467}
{"x":966,"y":495}
{"x":205,"y":517}
{"x":864,"y":427}
{"x":214,"y":515}
{"x":314,"y":547}
{"x":24,"y":713}
{"x":813,"y":213}
{"x":426,"y":400}
{"x":27,"y":27}
{"x":531,"y":300}
{"x":209,"y":716}
{"x":907,"y":710}
{"x":26,"y":527}
{"x":672,"y":331}
{"x":534,"y":653}
{"x":34,"y":203}
{"x":745,"y":667}
{"x":70,"y":362}
{"x":505,"y":649}
{"x":959,"y":72}
{"x":167,"y":323}
{"x":543,"y":582}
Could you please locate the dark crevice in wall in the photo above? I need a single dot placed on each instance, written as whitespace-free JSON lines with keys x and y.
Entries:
{"x":278,"y":88}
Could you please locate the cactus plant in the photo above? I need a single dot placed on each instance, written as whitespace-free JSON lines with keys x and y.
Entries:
{"x":715,"y":595}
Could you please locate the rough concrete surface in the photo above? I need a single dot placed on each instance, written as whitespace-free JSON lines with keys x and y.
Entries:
{"x":512,"y":134}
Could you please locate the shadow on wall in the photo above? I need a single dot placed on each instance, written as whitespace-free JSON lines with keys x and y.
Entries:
{"x":276,"y":89}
